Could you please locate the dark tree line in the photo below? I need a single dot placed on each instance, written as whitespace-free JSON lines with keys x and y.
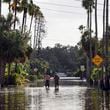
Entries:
{"x":62,"y":58}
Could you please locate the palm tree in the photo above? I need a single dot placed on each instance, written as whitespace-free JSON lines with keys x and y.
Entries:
{"x":32,"y":10}
{"x":13,"y":45}
{"x":96,"y":28}
{"x":4,"y":27}
{"x":106,"y":43}
{"x":14,"y":8}
{"x":88,"y":5}
{"x":6,"y":40}
{"x":9,"y":4}
{"x":24,"y":7}
{"x":38,"y":17}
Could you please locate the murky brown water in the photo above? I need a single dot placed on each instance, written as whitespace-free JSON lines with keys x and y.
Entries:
{"x":66,"y":98}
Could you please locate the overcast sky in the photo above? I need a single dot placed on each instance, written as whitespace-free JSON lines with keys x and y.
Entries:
{"x":63,"y":18}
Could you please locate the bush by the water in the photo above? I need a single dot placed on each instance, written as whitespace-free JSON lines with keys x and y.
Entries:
{"x":15,"y":79}
{"x":32,"y":77}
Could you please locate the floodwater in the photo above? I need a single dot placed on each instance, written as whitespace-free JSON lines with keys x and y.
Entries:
{"x":66,"y":98}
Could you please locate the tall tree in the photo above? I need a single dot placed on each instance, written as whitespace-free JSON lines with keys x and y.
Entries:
{"x":96,"y":28}
{"x":32,"y":10}
{"x":14,"y":8}
{"x":107,"y":40}
{"x":39,"y":20}
{"x":24,"y":5}
{"x":88,"y":5}
{"x":9,"y":4}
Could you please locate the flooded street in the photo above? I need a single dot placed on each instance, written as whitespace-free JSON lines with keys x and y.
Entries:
{"x":66,"y":98}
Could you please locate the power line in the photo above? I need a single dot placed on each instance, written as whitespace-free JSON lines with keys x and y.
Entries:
{"x":81,"y":1}
{"x":67,"y":12}
{"x":56,"y":4}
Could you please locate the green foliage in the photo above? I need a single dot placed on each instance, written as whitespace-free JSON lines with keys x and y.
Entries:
{"x":32,"y":77}
{"x":14,"y":44}
{"x":86,"y":40}
{"x":18,"y":78}
{"x":15,"y":79}
{"x":40,"y":76}
{"x":61,"y":58}
{"x":96,"y":73}
{"x":78,"y":73}
{"x":87,"y":3}
{"x":39,"y":64}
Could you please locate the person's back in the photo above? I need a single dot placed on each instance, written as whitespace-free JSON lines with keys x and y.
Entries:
{"x":56,"y":81}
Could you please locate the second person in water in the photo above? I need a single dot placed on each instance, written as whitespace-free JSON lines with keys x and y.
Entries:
{"x":56,"y":81}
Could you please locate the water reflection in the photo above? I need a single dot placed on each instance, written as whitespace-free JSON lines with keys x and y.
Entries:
{"x":64,"y":98}
{"x":33,"y":99}
{"x":12,"y":100}
{"x":97,"y":100}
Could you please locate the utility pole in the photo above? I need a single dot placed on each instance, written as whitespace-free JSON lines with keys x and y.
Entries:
{"x":106,"y":43}
{"x":106,"y":37}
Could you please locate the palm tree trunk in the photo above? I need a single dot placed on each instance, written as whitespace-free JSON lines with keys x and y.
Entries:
{"x":15,"y":13}
{"x":31,"y":23}
{"x":87,"y":58}
{"x":90,"y":36}
{"x":0,"y":6}
{"x":38,"y":33}
{"x":9,"y":6}
{"x":24,"y":20}
{"x":103,"y":47}
{"x":88,"y":19}
{"x":104,"y":28}
{"x":30,"y":29}
{"x":106,"y":46}
{"x":35,"y":25}
{"x":96,"y":28}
